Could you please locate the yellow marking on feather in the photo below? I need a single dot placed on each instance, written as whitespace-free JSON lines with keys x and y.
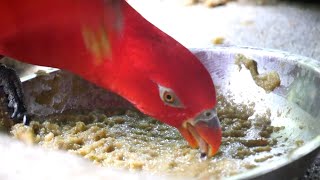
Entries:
{"x":97,"y":42}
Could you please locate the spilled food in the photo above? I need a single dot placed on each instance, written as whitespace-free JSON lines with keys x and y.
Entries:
{"x":267,"y":81}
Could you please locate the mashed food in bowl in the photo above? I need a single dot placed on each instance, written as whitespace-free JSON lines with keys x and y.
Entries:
{"x":130,"y":140}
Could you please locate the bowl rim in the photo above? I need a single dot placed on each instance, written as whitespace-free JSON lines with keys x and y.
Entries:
{"x":310,"y":63}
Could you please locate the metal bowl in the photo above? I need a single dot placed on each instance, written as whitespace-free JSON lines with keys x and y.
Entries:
{"x":295,"y":104}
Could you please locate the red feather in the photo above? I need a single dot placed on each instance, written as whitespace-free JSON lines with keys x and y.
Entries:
{"x":130,"y":57}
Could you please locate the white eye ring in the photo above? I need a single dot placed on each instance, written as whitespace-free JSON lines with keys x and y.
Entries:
{"x":168,"y":96}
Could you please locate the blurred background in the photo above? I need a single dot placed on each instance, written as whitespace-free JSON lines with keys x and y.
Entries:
{"x":292,"y":26}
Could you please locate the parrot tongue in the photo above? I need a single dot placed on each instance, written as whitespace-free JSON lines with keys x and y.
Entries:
{"x":204,"y":132}
{"x":203,"y":145}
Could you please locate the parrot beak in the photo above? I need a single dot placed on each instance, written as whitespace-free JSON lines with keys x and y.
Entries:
{"x":203,"y":131}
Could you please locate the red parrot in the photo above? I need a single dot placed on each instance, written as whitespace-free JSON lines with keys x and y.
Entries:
{"x":110,"y":44}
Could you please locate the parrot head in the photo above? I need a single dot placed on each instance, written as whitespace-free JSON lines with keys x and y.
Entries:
{"x":176,"y":90}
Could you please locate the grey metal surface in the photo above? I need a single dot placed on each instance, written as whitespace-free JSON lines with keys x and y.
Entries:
{"x":299,"y":81}
{"x":292,"y":105}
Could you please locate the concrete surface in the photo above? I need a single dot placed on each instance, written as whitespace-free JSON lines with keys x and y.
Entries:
{"x":287,"y":26}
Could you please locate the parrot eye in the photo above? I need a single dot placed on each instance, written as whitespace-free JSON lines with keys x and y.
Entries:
{"x":168,"y":96}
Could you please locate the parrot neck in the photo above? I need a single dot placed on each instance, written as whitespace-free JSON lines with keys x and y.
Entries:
{"x":88,"y":40}
{"x":134,"y":46}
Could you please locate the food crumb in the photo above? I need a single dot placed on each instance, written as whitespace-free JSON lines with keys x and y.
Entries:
{"x":49,"y":137}
{"x":247,"y":22}
{"x":250,"y":166}
{"x":263,"y":158}
{"x":268,"y":81}
{"x":208,"y":3}
{"x":299,"y":143}
{"x":262,"y":149}
{"x":190,"y":2}
{"x":25,"y":134}
{"x":41,"y":73}
{"x":218,"y":40}
{"x":136,"y":165}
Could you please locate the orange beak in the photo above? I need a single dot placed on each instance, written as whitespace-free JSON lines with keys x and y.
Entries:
{"x":203,"y":131}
